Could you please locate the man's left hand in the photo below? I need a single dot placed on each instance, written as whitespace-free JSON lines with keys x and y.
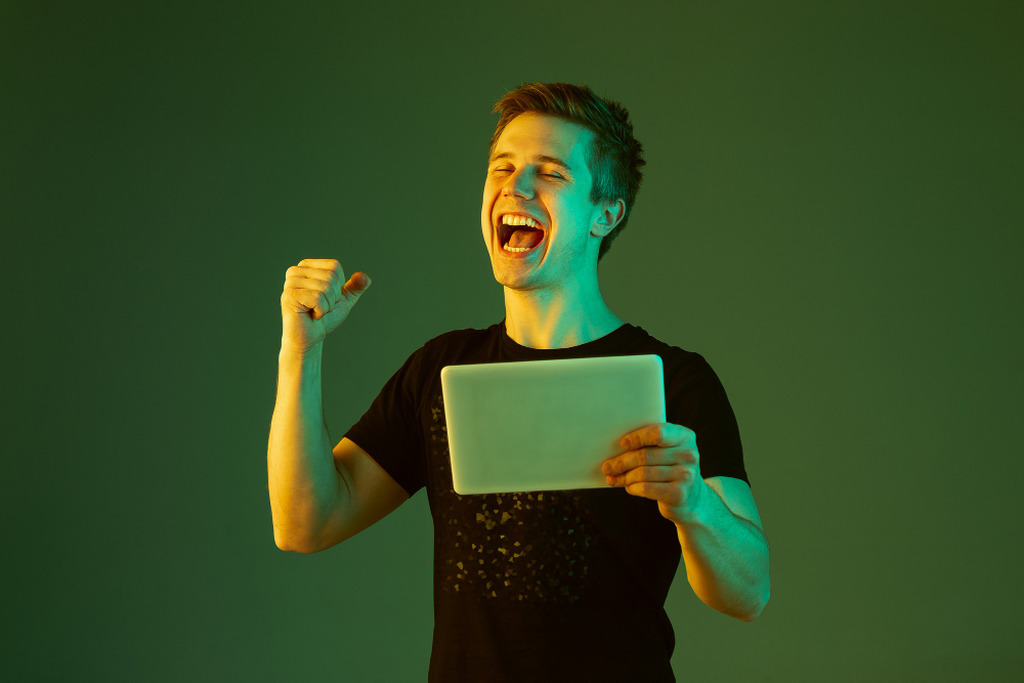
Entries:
{"x":661,"y":462}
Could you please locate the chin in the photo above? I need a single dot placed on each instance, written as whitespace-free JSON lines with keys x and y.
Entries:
{"x":509,"y":280}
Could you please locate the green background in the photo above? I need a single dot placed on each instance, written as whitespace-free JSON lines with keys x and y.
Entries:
{"x":832,"y":215}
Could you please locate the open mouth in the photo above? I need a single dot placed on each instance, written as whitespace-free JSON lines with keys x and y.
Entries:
{"x":519,"y":234}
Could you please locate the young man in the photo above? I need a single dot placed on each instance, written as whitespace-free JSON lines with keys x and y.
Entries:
{"x":564,"y":585}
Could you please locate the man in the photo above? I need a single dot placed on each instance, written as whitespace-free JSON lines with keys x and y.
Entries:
{"x":564,"y":585}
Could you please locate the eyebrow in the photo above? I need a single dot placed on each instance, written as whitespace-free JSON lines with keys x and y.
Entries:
{"x":543,"y":157}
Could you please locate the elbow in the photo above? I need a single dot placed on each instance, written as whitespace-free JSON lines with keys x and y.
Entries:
{"x":297,"y":543}
{"x":745,"y":602}
{"x":753,"y":611}
{"x":760,"y":591}
{"x":301,"y":530}
{"x":307,"y":538}
{"x":750,"y":615}
{"x":292,"y":547}
{"x":744,"y":610}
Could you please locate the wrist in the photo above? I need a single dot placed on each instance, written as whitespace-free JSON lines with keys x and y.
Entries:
{"x":700,"y":508}
{"x":296,"y":357}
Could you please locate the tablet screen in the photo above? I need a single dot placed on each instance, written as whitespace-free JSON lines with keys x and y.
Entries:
{"x":545,"y":425}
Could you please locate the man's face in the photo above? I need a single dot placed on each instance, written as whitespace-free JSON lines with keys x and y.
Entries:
{"x":537,"y":218}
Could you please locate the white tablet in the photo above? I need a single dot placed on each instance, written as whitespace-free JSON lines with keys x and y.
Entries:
{"x":545,"y":425}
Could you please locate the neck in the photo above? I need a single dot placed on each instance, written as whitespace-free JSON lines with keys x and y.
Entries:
{"x":557,"y":319}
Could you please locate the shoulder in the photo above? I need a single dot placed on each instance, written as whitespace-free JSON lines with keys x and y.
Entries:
{"x":461,"y":337}
{"x":454,"y":347}
{"x":679,"y":362}
{"x":696,"y":399}
{"x":459,"y":342}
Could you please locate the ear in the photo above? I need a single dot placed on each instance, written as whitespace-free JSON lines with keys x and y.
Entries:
{"x":609,"y":216}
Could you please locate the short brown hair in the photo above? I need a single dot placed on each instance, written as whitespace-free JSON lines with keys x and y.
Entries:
{"x":615,"y":157}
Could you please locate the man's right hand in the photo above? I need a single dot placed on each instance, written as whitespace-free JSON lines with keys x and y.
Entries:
{"x":314,"y":302}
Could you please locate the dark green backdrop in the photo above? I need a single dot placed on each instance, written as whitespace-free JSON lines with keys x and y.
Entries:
{"x":832,"y":215}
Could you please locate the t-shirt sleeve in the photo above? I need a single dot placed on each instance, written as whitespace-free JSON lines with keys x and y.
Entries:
{"x":390,"y":429}
{"x":700,"y":402}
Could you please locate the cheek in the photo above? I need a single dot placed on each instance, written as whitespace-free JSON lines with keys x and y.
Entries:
{"x":487,"y":200}
{"x":485,"y":215}
{"x":490,"y":195}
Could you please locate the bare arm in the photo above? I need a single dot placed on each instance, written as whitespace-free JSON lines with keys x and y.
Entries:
{"x":719,"y":527}
{"x":725,"y":549}
{"x":319,"y":496}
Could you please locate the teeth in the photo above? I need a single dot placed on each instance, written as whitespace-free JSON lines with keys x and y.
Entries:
{"x":514,"y":220}
{"x":511,"y":219}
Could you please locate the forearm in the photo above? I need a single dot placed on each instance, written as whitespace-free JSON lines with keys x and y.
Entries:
{"x":303,"y":481}
{"x":726,"y":558}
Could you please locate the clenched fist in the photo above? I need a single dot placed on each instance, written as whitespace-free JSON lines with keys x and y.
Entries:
{"x":316,"y":299}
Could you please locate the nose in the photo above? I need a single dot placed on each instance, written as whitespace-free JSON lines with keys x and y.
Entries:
{"x":519,"y":184}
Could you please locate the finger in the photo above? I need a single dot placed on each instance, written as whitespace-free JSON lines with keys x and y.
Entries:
{"x":322,"y":274}
{"x":323,"y":306}
{"x":308,"y":301}
{"x":665,"y":473}
{"x":659,"y":434}
{"x":643,"y":457}
{"x":322,"y":263}
{"x":297,"y":282}
{"x":663,"y":492}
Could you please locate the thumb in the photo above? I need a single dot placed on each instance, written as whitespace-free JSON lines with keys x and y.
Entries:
{"x":356,"y":285}
{"x":350,"y":293}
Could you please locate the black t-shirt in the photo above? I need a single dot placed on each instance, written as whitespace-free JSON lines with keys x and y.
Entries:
{"x":555,"y":585}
